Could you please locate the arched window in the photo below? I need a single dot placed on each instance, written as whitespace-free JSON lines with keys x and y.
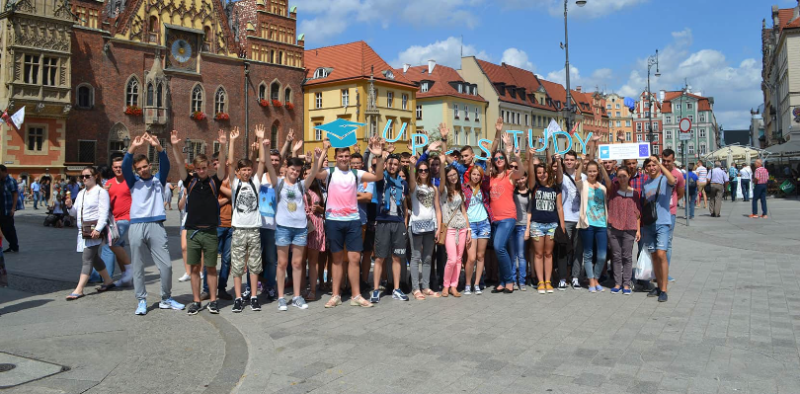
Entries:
{"x":154,"y":29}
{"x":150,"y":94}
{"x":132,"y":92}
{"x":274,"y":91}
{"x":274,"y":134}
{"x":85,"y":96}
{"x":287,"y":96}
{"x":208,"y":39}
{"x":262,"y":91}
{"x":197,"y":98}
{"x":160,"y":95}
{"x":320,"y":73}
{"x":280,"y":57}
{"x":272,"y":56}
{"x":220,"y":100}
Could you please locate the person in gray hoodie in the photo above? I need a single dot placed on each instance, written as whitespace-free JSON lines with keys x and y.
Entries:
{"x":147,"y":233}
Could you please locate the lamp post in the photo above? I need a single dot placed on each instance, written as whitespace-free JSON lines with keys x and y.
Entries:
{"x":187,"y":144}
{"x":651,"y":61}
{"x":568,"y":109}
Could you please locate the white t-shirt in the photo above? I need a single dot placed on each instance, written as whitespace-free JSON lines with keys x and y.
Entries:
{"x":245,"y":204}
{"x":291,"y":210}
{"x":745,"y":173}
{"x":267,"y":222}
{"x":342,"y":203}
{"x":570,"y":199}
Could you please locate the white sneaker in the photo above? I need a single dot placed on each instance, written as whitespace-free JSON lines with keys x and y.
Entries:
{"x":467,"y":290}
{"x":184,"y":278}
{"x":478,"y":290}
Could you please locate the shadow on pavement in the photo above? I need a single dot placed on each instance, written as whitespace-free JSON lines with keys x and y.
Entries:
{"x":23,"y":306}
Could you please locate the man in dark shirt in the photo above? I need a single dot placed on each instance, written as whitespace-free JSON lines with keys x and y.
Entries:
{"x":202,"y":219}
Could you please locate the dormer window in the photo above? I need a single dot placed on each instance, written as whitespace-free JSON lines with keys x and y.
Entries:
{"x":460,"y":87}
{"x":423,"y":87}
{"x":388,"y":74}
{"x":321,"y":73}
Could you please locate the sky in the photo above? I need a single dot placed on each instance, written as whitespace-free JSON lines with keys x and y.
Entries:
{"x":714,"y":45}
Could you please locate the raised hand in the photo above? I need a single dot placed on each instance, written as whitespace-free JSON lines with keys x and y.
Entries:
{"x":326,"y":143}
{"x":389,"y":148}
{"x":443,"y":131}
{"x":267,"y":143}
{"x":596,"y":138}
{"x":413,"y":161}
{"x":260,"y":130}
{"x":507,"y":141}
{"x":317,"y":153}
{"x":376,"y":146}
{"x":139,"y":141}
{"x":223,"y":137}
{"x":435,"y":146}
{"x":356,"y":148}
{"x":173,"y":139}
{"x":254,"y":147}
{"x":234,"y":133}
{"x":297,"y":146}
{"x":152,"y":140}
{"x":498,"y":126}
{"x":290,"y":136}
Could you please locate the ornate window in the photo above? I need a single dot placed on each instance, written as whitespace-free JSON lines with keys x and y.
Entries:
{"x":50,"y":71}
{"x":262,"y":91}
{"x":154,"y":30}
{"x":287,"y":96}
{"x":274,"y":91}
{"x":345,"y":97}
{"x":85,"y":96}
{"x":220,"y":101}
{"x":197,"y":98}
{"x":320,"y":73}
{"x":132,"y":92}
{"x":31,"y":69}
{"x":150,"y":93}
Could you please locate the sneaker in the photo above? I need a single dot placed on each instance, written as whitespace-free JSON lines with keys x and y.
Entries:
{"x":541,"y":288}
{"x":599,"y":288}
{"x":592,"y":289}
{"x":169,"y":303}
{"x":246,"y":294}
{"x":205,"y":296}
{"x":626,"y":291}
{"x":662,"y":297}
{"x":562,"y":285}
{"x":615,"y":290}
{"x":375,"y":297}
{"x":224,"y":295}
{"x":467,"y":290}
{"x":141,"y":309}
{"x":184,"y":278}
{"x":671,"y":279}
{"x":522,"y":287}
{"x":271,"y":293}
{"x":194,"y":307}
{"x":548,"y":286}
{"x":238,"y":305}
{"x":299,"y":302}
{"x":516,"y":286}
{"x":212,"y":307}
{"x":360,"y":301}
{"x":575,"y":283}
{"x":398,"y":294}
{"x":282,"y":306}
{"x":478,"y":290}
{"x":654,"y":293}
{"x":254,"y":304}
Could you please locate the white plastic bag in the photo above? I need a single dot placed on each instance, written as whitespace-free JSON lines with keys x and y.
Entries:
{"x":644,"y":266}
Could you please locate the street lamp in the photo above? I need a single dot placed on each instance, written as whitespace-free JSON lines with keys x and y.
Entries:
{"x":568,"y":109}
{"x":126,"y":142}
{"x":651,"y":61}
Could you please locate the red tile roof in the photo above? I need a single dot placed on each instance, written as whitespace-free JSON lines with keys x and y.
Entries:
{"x":703,"y":104}
{"x":348,"y":61}
{"x":516,"y":77}
{"x":556,"y":92}
{"x":785,"y":19}
{"x":441,"y":78}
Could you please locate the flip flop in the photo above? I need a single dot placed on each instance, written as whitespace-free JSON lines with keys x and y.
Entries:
{"x":105,"y":288}
{"x":74,"y":296}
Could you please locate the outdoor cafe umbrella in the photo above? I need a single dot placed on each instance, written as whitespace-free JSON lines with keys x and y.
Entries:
{"x":733,"y":153}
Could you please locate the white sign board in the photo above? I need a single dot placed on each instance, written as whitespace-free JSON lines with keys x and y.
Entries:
{"x":684,"y":136}
{"x":624,"y":151}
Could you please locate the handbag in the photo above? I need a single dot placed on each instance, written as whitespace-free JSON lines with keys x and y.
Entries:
{"x":443,"y":230}
{"x":87,"y":226}
{"x":423,"y":226}
{"x":650,"y":208}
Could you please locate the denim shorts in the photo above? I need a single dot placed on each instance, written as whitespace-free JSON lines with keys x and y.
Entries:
{"x":656,"y":236}
{"x":539,"y":230}
{"x":122,"y":226}
{"x":343,"y":235}
{"x":286,"y":236}
{"x":481,"y":230}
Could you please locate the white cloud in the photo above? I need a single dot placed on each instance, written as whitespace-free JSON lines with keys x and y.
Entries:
{"x":599,"y":78}
{"x":592,"y":9}
{"x":517,"y":58}
{"x":446,"y":52}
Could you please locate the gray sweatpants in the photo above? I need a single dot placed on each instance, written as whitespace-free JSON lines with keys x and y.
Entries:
{"x":421,"y":251}
{"x":621,"y":254}
{"x":150,"y":239}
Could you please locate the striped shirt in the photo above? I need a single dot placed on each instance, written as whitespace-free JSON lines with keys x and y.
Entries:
{"x":761,"y":176}
{"x":702,"y":174}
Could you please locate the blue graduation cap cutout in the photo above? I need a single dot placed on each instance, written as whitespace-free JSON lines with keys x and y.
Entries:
{"x":630,"y":103}
{"x":341,"y":133}
{"x":605,"y":152}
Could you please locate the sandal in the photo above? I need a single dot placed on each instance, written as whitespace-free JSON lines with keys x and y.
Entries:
{"x":418,"y":295}
{"x":334,"y":301}
{"x":360,"y":301}
{"x":105,"y":288}
{"x":74,"y":296}
{"x":431,"y":293}
{"x":446,"y":292}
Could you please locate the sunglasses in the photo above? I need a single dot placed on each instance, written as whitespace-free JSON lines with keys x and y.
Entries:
{"x":423,"y":171}
{"x":498,"y":158}
{"x":393,"y":156}
{"x":513,"y":166}
{"x":85,"y":176}
{"x":274,"y":152}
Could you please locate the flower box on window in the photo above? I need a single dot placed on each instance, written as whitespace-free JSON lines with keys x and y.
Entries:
{"x":222,"y":116}
{"x":198,"y":115}
{"x":133,"y":110}
{"x":289,"y":106}
{"x":277,"y":103}
{"x":263,"y":102}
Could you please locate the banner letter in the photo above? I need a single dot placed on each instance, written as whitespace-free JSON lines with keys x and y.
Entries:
{"x":386,"y":131}
{"x":545,"y":141}
{"x":483,"y":148}
{"x":414,"y":145}
{"x":514,"y":136}
{"x":584,"y":142}
{"x":555,"y":142}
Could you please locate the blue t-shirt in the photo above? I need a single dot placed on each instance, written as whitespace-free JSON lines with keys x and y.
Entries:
{"x":476,"y":212}
{"x":691,"y":179}
{"x":395,"y":212}
{"x":664,"y":197}
{"x":596,"y":207}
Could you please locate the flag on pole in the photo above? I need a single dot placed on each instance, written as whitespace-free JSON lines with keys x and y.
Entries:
{"x":574,"y":128}
{"x":15,"y":121}
{"x":552,"y":127}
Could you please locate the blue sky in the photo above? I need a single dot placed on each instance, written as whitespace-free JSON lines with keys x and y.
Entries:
{"x":715,"y":44}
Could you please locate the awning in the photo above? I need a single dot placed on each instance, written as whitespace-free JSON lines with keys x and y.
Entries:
{"x":788,"y":149}
{"x":733,"y":153}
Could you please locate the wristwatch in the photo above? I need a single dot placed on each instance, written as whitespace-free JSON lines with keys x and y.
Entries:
{"x":444,"y":139}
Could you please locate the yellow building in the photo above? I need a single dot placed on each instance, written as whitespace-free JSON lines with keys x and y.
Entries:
{"x":620,"y":119}
{"x":351,"y":82}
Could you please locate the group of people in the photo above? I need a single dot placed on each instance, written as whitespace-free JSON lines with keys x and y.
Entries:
{"x":712,"y":185}
{"x":294,"y":221}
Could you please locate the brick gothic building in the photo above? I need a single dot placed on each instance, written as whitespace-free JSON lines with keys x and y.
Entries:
{"x":166,"y":64}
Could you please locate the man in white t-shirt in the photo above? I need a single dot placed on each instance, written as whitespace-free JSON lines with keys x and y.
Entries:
{"x":342,"y":219}
{"x":571,"y":201}
{"x":702,"y":179}
{"x":745,"y":174}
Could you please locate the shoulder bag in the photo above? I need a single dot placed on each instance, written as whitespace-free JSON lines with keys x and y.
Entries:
{"x":650,"y":208}
{"x":87,"y":226}
{"x":443,"y":229}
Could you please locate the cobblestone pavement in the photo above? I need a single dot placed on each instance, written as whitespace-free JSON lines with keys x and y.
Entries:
{"x":730,"y":326}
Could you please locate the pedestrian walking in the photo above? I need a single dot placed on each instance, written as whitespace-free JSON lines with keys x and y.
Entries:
{"x":760,"y":180}
{"x":691,"y":179}
{"x":745,"y":174}
{"x":702,"y":179}
{"x":36,"y":191}
{"x":9,"y":208}
{"x":718,"y":178}
{"x":733,"y":175}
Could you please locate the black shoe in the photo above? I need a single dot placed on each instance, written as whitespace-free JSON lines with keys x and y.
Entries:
{"x":662,"y":297}
{"x":237,"y":305}
{"x":508,"y":290}
{"x":224,"y":295}
{"x":254,"y":305}
{"x":205,"y":296}
{"x":194,"y":308}
{"x":496,"y":290}
{"x":9,"y":250}
{"x":212,"y":307}
{"x":654,"y":293}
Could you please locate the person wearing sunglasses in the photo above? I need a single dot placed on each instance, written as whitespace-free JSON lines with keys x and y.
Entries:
{"x":593,"y":224}
{"x":423,"y":221}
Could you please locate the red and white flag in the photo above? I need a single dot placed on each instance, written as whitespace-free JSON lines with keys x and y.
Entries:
{"x":15,"y":121}
{"x":574,"y":128}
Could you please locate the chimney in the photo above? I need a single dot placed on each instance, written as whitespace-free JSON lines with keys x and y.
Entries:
{"x":661,"y":95}
{"x":431,"y":65}
{"x":775,"y":21}
{"x":405,"y":67}
{"x":578,"y":89}
{"x":699,"y":94}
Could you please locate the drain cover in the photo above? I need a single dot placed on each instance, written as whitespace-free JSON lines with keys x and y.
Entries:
{"x":5,"y":367}
{"x":16,"y":370}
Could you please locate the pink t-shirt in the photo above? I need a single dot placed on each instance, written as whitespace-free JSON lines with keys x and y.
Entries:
{"x":680,"y":184}
{"x":342,"y":200}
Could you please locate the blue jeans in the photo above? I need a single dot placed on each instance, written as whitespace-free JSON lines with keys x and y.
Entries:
{"x":269,"y":256}
{"x":503,"y":230}
{"x":734,"y":185}
{"x":669,"y":244}
{"x":760,"y":193}
{"x":692,"y":201}
{"x":35,"y":200}
{"x":594,"y":237}
{"x":224,"y":235}
{"x":518,"y":253}
{"x":746,"y":189}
